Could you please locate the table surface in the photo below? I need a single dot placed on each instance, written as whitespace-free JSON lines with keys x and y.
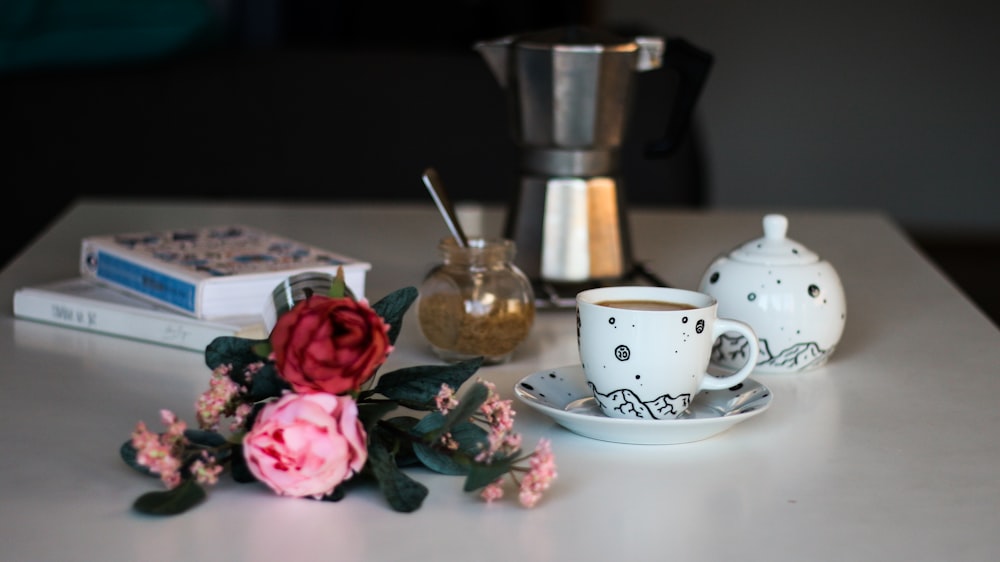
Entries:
{"x":888,"y":452}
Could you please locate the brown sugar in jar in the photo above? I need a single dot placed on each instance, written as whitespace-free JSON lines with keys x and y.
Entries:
{"x":476,"y":302}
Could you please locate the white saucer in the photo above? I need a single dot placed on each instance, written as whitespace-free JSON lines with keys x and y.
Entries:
{"x":562,"y":394}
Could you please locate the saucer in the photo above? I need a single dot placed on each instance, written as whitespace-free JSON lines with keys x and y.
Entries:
{"x":562,"y":394}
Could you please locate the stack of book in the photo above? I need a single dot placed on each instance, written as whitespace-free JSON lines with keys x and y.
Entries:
{"x":184,"y":288}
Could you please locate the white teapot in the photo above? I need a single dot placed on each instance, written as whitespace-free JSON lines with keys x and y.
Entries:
{"x":793,"y":300}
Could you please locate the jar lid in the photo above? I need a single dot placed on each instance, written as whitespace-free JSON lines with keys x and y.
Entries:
{"x":774,"y":248}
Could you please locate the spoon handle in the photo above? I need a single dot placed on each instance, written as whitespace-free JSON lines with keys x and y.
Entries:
{"x":433,"y":182}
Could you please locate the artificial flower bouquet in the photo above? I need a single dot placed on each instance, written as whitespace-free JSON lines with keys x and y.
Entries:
{"x":302,"y":416}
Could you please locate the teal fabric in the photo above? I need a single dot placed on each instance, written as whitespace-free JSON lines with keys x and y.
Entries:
{"x":57,"y":33}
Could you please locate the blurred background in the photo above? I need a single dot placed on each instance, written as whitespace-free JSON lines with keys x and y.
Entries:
{"x":889,"y":105}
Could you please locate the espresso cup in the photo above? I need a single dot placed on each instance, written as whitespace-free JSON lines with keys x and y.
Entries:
{"x":645,"y":350}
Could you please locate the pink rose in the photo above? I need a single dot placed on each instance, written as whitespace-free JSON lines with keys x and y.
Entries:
{"x":306,"y":444}
{"x":330,"y":345}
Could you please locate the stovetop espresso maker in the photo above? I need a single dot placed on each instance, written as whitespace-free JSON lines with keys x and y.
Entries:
{"x":569,"y":93}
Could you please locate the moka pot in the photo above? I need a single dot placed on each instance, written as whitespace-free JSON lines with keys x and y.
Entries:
{"x":570,"y":93}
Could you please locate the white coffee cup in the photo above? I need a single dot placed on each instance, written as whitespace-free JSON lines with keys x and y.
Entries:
{"x":645,"y":350}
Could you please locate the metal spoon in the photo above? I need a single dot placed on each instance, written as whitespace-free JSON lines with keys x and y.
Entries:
{"x":433,"y":182}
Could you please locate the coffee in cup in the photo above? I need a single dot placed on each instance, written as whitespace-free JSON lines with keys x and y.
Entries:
{"x":645,"y":350}
{"x":647,"y":305}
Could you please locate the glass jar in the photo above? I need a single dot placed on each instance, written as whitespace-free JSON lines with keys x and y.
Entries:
{"x":476,"y":302}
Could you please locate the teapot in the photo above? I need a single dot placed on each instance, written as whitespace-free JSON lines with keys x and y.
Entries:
{"x":792,"y":299}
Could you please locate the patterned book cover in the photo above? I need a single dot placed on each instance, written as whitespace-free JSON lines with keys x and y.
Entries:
{"x":183,"y":268}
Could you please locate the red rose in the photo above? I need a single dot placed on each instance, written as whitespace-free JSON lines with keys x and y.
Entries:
{"x":329,"y":345}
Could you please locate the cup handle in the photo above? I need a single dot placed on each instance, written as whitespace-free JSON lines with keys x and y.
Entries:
{"x":723,"y":325}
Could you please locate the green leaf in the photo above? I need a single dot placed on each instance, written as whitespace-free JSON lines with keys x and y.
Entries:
{"x":402,"y":447}
{"x":238,"y":467}
{"x":402,"y":423}
{"x":261,"y":349}
{"x":338,"y":287}
{"x":441,"y":461}
{"x":467,"y":407}
{"x":171,"y":502}
{"x":430,"y":426}
{"x":418,"y":386}
{"x":231,"y":350}
{"x":370,"y":412}
{"x":483,"y":474}
{"x":470,"y":437}
{"x":393,"y":307}
{"x":205,"y":438}
{"x":402,"y":492}
{"x":336,"y":495}
{"x":266,"y":383}
{"x":129,"y":454}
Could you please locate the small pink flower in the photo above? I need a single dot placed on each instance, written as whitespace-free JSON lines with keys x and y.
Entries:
{"x":161,"y":454}
{"x":240,"y":416}
{"x":449,"y":442}
{"x":493,"y":491}
{"x":445,"y":399}
{"x":219,"y":400}
{"x":205,"y":470}
{"x":306,"y":444}
{"x":499,"y":413}
{"x":499,"y":418}
{"x":540,"y":475}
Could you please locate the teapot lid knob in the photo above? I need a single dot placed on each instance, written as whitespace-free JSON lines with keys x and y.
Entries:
{"x":774,"y":248}
{"x":775,"y":227}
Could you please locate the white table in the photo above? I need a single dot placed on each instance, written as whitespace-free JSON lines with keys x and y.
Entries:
{"x":889,"y":452}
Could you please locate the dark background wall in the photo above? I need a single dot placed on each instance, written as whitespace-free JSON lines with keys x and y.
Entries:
{"x":299,"y":100}
{"x":888,"y":104}
{"x":852,"y":105}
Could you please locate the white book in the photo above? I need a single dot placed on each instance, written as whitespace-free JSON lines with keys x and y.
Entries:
{"x":210,"y":272}
{"x":87,"y":305}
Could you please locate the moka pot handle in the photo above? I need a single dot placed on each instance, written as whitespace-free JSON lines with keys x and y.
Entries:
{"x":692,"y":65}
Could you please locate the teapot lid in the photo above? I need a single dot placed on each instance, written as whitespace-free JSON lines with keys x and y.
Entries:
{"x":774,"y":248}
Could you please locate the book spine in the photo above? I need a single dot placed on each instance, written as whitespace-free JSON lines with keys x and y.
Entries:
{"x":140,"y":279}
{"x":161,"y":329}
